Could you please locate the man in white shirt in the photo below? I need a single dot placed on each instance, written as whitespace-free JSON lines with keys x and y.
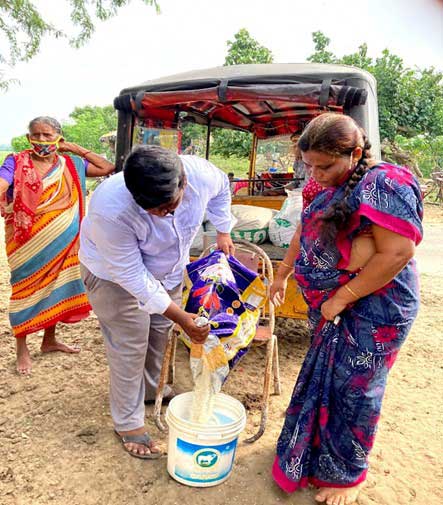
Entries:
{"x":134,"y":245}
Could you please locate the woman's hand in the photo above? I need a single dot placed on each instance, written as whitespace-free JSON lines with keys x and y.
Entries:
{"x":66,"y":147}
{"x":224,"y":242}
{"x":98,"y":166}
{"x":70,"y":147}
{"x":197,"y":334}
{"x":332,"y":307}
{"x":277,"y":292}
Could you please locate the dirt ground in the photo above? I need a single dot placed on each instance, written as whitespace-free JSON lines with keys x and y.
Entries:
{"x":57,"y":444}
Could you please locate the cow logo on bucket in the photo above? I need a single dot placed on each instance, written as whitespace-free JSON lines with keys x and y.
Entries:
{"x":206,"y":458}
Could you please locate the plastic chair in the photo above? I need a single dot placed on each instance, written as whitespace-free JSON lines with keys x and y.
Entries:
{"x":257,"y":260}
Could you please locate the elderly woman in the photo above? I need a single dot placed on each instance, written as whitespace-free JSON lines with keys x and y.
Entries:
{"x":353,"y":259}
{"x":42,"y":195}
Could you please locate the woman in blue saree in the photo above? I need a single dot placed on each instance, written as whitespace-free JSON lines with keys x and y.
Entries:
{"x":353,"y":258}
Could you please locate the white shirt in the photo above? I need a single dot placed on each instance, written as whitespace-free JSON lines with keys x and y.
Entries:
{"x":145,"y":254}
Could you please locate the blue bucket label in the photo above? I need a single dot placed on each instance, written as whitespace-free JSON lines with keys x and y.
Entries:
{"x":202,"y":463}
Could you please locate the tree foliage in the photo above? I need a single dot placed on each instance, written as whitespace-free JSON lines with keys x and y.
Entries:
{"x":231,"y":143}
{"x":22,"y":26}
{"x":245,"y":49}
{"x":321,"y":55}
{"x":426,"y":151}
{"x":410,"y":100}
{"x":88,"y":124}
{"x":20,"y":143}
{"x":193,"y":139}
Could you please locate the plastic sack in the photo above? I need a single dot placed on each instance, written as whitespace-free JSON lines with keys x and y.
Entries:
{"x":230,"y":296}
{"x":252,"y":223}
{"x":283,"y":225}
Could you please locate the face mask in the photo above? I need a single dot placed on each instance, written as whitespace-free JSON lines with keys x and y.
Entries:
{"x":44,"y":149}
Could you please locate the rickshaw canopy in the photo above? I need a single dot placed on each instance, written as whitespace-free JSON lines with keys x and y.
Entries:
{"x":265,"y":99}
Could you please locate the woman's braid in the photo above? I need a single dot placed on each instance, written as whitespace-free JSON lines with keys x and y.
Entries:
{"x":337,"y":216}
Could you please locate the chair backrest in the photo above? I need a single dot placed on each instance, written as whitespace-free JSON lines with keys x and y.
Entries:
{"x":254,"y":258}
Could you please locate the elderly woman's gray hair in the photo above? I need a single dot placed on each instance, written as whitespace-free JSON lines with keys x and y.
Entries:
{"x":50,"y":121}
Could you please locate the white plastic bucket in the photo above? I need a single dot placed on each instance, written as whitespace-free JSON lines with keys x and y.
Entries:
{"x":202,"y":455}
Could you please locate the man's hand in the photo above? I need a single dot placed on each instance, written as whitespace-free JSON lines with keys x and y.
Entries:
{"x":197,"y":334}
{"x":224,"y":242}
{"x":186,"y":321}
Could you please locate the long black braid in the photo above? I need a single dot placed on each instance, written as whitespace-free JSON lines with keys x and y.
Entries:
{"x":337,"y":216}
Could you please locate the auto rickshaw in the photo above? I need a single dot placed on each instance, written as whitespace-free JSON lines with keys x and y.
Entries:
{"x":270,"y":102}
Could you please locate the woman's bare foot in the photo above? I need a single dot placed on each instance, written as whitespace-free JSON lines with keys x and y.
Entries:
{"x":24,"y":364}
{"x":139,"y":448}
{"x":338,"y":495}
{"x":59,"y":346}
{"x":50,"y":344}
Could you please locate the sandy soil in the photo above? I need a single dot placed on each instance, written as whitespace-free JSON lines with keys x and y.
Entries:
{"x":57,"y":444}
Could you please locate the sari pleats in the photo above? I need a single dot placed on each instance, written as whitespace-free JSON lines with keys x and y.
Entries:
{"x":332,"y":418}
{"x":45,"y":270}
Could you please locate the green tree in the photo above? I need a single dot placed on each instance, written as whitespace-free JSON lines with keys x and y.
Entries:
{"x":321,"y":55}
{"x":89,"y":124}
{"x":231,"y":143}
{"x":389,"y":73}
{"x":23,"y":26}
{"x":410,"y":101}
{"x":422,"y":96}
{"x":245,"y":49}
{"x":359,"y":59}
{"x":193,"y":139}
{"x":242,"y":50}
{"x":425,"y":150}
{"x":20,"y":143}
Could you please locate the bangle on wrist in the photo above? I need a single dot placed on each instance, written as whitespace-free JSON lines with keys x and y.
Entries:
{"x":85,"y":153}
{"x":353,"y":293}
{"x":286,"y":265}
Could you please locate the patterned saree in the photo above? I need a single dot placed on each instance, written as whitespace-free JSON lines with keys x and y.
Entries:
{"x":332,"y":417}
{"x":42,"y":225}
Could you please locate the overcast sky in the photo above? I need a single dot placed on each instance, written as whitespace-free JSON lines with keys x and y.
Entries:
{"x":139,"y":45}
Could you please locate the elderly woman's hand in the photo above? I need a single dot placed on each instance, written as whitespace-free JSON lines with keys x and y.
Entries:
{"x":63,"y":146}
{"x":98,"y":166}
{"x":70,"y":147}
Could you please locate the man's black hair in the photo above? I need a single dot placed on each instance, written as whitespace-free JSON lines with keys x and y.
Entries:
{"x":153,"y":175}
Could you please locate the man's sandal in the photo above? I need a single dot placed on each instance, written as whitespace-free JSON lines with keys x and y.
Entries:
{"x":143,"y":439}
